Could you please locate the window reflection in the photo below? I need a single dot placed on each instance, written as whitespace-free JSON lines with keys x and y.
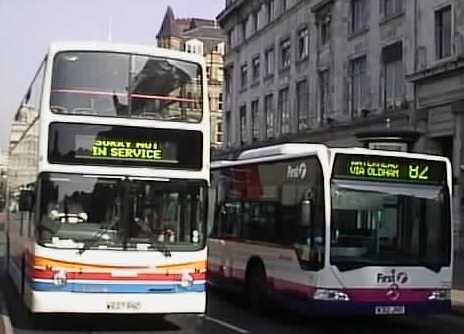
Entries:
{"x":123,"y":85}
{"x":114,"y":212}
{"x":384,"y":224}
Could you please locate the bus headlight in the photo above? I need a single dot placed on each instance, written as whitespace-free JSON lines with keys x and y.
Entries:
{"x":331,"y":295}
{"x":440,"y":295}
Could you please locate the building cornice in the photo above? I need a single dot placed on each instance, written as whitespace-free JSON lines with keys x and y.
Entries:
{"x":317,"y":7}
{"x":444,"y":68}
{"x":222,"y":16}
{"x":276,"y":21}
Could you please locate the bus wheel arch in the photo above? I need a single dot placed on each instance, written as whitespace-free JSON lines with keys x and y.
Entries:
{"x":256,"y":285}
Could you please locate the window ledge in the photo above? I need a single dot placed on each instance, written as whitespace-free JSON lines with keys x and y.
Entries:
{"x":444,"y":60}
{"x":324,"y":47}
{"x":284,"y":70}
{"x":269,"y":77}
{"x":392,"y":17}
{"x":254,"y":84}
{"x":302,"y":60}
{"x":358,"y":33}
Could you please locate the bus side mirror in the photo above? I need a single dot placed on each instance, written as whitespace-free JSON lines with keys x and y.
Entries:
{"x":306,"y":207}
{"x":26,"y":200}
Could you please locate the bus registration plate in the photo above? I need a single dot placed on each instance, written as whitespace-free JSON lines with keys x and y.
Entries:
{"x":123,"y":306}
{"x":381,"y":310}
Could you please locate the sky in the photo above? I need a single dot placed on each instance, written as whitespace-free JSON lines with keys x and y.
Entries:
{"x":28,"y":26}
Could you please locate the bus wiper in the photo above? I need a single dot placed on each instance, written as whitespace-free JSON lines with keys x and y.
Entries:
{"x":92,"y":241}
{"x":160,"y":247}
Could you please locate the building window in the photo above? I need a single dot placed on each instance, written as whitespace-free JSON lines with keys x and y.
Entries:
{"x":394,"y":80}
{"x":284,"y":5}
{"x":359,"y":85}
{"x":219,"y":133}
{"x":303,"y":43}
{"x":244,"y":29}
{"x":323,"y":94}
{"x":242,"y":125}
{"x":270,"y":8}
{"x":269,"y":62}
{"x":285,"y":53}
{"x":228,"y":127}
{"x":358,"y":15}
{"x":194,"y":46}
{"x":244,"y":76}
{"x":391,"y":7}
{"x":302,"y":104}
{"x":284,"y":111}
{"x":255,"y":120}
{"x":220,"y":101}
{"x":255,"y":16}
{"x":219,"y":48}
{"x":269,"y":113}
{"x":443,"y":32}
{"x":228,"y":79}
{"x":255,"y":63}
{"x":229,"y":39}
{"x":325,"y":30}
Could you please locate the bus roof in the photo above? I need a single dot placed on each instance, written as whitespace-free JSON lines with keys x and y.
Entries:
{"x":295,"y":150}
{"x":103,"y":46}
{"x":366,"y":151}
{"x":273,"y":152}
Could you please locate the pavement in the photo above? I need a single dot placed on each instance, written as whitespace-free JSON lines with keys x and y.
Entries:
{"x":457,"y":294}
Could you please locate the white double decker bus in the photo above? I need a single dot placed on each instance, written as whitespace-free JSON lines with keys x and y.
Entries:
{"x":333,"y":231}
{"x":110,"y":217}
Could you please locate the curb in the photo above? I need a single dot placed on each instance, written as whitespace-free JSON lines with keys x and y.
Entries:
{"x":5,"y":322}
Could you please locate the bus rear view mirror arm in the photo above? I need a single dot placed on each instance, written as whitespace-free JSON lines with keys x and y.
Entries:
{"x":26,"y":200}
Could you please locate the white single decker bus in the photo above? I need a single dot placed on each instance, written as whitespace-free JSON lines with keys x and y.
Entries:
{"x":329,"y":231}
{"x":109,"y":180}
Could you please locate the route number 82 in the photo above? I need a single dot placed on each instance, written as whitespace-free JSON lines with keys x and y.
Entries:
{"x":418,"y":173}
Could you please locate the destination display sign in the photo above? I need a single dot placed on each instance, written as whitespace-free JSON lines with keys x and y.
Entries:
{"x":72,"y":143}
{"x":389,"y":169}
{"x":128,"y":149}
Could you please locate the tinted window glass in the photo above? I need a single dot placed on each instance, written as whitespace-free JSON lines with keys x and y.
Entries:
{"x":166,"y":89}
{"x":115,"y":212}
{"x":90,"y":83}
{"x":124,"y":85}
{"x":264,"y":203}
{"x":384,"y":224}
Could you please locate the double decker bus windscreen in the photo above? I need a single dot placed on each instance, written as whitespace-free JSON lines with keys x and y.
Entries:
{"x":73,"y":143}
{"x":389,"y":211}
{"x":126,"y":85}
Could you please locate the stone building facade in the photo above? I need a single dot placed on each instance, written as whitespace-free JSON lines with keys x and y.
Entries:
{"x":332,"y":71}
{"x":24,"y":142}
{"x":206,"y":38}
{"x":438,"y":79}
{"x":3,"y":178}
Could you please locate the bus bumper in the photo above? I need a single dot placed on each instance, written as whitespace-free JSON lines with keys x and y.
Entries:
{"x":349,"y":308}
{"x":77,"y":302}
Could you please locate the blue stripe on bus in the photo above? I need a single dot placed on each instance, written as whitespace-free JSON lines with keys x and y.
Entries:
{"x":117,"y":288}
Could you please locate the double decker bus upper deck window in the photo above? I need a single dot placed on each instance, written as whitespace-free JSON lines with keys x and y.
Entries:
{"x":125,"y":85}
